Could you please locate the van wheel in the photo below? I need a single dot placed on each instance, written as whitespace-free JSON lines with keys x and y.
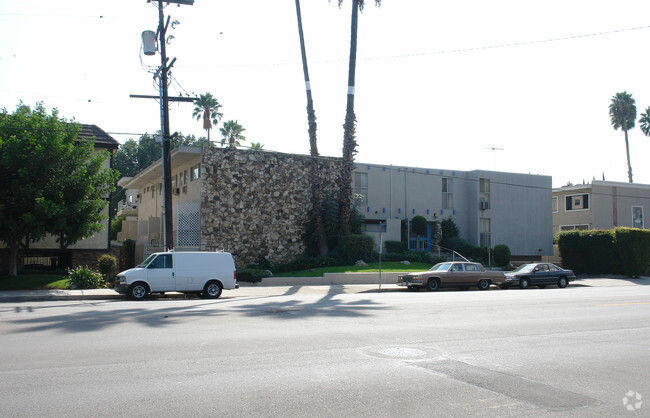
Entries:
{"x":138,"y":291}
{"x":212,"y":290}
{"x":483,"y":284}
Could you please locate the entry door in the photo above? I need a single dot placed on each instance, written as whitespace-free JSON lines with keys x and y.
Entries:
{"x":160,"y":273}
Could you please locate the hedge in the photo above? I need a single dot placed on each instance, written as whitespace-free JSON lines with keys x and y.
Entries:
{"x":617,"y":251}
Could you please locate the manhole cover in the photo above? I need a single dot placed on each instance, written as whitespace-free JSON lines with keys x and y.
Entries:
{"x":402,"y":352}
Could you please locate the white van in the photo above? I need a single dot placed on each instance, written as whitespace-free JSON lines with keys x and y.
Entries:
{"x":207,"y":273}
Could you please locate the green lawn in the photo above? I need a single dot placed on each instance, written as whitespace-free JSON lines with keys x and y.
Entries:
{"x":32,"y":281}
{"x":386,"y":267}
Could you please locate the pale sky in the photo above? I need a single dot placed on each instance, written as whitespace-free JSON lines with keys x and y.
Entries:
{"x":438,"y":84}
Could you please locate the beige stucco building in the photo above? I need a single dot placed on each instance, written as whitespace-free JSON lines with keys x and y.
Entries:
{"x":600,"y":205}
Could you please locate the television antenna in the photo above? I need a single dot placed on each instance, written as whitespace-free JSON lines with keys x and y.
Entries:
{"x":495,"y":158}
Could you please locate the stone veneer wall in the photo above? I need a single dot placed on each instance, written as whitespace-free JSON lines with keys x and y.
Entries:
{"x":255,"y":203}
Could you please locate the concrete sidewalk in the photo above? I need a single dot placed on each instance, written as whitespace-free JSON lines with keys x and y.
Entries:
{"x":280,"y":286}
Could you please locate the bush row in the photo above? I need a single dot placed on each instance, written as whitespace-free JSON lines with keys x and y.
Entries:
{"x":617,"y":251}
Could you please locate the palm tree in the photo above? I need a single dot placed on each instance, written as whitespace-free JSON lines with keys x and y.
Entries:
{"x":258,"y":146}
{"x":349,"y":127}
{"x":314,"y":177}
{"x":622,"y":111}
{"x":645,"y":122}
{"x":207,"y":107}
{"x":231,"y":133}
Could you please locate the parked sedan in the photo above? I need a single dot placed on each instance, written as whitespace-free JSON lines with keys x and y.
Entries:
{"x":452,"y":274}
{"x":540,"y":275}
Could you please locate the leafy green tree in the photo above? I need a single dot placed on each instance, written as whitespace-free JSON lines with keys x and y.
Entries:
{"x":257,"y":146}
{"x":645,"y":122}
{"x":49,"y":177}
{"x":419,"y":225}
{"x":231,"y":133}
{"x":622,"y":111}
{"x":349,"y":127}
{"x":80,"y":187}
{"x":207,"y":107}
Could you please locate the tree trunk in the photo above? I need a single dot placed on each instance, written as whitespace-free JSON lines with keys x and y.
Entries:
{"x":314,"y":173}
{"x":627,"y":150}
{"x":349,"y":130}
{"x":13,"y":260}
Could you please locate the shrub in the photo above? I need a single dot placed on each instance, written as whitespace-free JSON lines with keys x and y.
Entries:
{"x":106,"y":265}
{"x":396,"y":247}
{"x":589,"y":252}
{"x":449,"y":231}
{"x":353,"y":247}
{"x":501,"y":255}
{"x":253,"y":275}
{"x":83,"y":277}
{"x":633,"y":250}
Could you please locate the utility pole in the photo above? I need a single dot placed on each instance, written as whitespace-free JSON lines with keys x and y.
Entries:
{"x":163,"y":70}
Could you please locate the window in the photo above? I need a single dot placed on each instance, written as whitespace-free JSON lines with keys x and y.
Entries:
{"x":554,"y":201}
{"x":582,"y":227}
{"x":447,"y":194}
{"x":174,"y":182}
{"x":484,"y":193}
{"x":486,"y":232}
{"x":637,"y":217}
{"x":163,"y":261}
{"x":361,"y":187}
{"x":195,"y":172}
{"x":577,"y":202}
{"x":471,"y":267}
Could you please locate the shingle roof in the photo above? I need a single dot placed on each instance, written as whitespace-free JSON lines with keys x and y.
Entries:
{"x":102,"y":139}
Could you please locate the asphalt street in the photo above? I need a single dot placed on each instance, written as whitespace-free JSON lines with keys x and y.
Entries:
{"x":323,"y":351}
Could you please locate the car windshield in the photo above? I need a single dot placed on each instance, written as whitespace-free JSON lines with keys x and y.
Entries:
{"x":525,"y":268}
{"x":147,"y":261}
{"x":440,"y":267}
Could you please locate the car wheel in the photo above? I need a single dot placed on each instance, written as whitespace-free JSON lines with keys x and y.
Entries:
{"x":433,"y":285}
{"x":524,"y":283}
{"x":541,"y":286}
{"x":562,"y":282}
{"x":138,"y":291}
{"x":212,"y":289}
{"x":483,"y":284}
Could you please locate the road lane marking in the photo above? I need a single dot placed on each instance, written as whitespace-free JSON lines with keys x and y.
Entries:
{"x":624,"y":304}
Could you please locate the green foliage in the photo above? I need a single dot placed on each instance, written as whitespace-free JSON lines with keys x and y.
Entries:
{"x":232,"y":133}
{"x":353,"y":247}
{"x":501,"y":255}
{"x":116,"y":226}
{"x":304,"y":262}
{"x":106,"y":265}
{"x":449,"y":231}
{"x":53,"y":183}
{"x":396,"y":247}
{"x":411,"y":256}
{"x":589,"y":252}
{"x":252,"y":275}
{"x":83,"y":277}
{"x":633,"y":250}
{"x":330,"y":221}
{"x":419,"y":225}
{"x":127,"y":255}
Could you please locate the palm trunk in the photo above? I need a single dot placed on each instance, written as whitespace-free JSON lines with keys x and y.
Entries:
{"x":627,"y":150}
{"x":314,"y":175}
{"x":349,"y":142}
